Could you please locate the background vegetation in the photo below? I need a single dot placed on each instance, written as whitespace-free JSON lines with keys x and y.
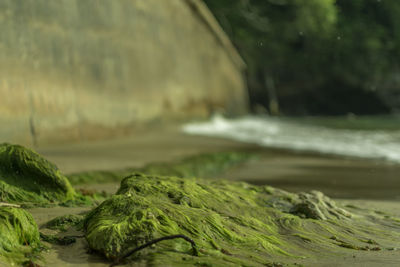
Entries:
{"x":328,"y":57}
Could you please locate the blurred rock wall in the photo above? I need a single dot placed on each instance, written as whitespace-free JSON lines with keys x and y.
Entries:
{"x":73,"y":67}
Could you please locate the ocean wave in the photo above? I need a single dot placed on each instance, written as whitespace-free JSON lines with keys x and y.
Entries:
{"x":277,"y":133}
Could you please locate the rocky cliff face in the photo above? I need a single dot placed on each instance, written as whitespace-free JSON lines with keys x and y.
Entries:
{"x":79,"y":63}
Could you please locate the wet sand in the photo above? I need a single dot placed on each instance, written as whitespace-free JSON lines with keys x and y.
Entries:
{"x":336,"y":177}
{"x":356,"y":182}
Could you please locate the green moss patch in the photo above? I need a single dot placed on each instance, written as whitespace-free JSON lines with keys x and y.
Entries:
{"x":62,"y":223}
{"x":19,"y":235}
{"x":25,"y":176}
{"x":58,"y":240}
{"x":203,"y":165}
{"x":231,"y":223}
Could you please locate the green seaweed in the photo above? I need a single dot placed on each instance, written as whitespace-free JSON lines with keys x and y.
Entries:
{"x":25,"y":176}
{"x":62,"y":223}
{"x":148,"y":207}
{"x":57,"y":240}
{"x":19,"y":236}
{"x":16,"y":194}
{"x":232,"y":223}
{"x":81,"y":200}
{"x":303,"y":237}
{"x":203,"y":165}
{"x":98,"y":177}
{"x":348,"y":245}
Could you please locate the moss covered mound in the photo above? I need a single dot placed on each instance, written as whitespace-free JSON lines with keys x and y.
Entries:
{"x":62,"y":223}
{"x":19,"y":235}
{"x":25,"y":176}
{"x":231,"y":223}
{"x":203,"y":165}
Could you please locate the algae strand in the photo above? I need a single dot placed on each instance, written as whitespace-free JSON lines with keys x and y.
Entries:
{"x":154,"y":241}
{"x":62,"y":241}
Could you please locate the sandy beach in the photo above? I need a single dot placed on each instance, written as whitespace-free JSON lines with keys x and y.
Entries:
{"x":338,"y":178}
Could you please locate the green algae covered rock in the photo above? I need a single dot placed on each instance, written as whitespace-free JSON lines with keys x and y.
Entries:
{"x":213,"y":213}
{"x":19,"y":235}
{"x":25,"y":176}
{"x":62,"y":223}
{"x":231,"y":223}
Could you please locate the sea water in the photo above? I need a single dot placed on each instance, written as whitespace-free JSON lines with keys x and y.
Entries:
{"x":373,"y":137}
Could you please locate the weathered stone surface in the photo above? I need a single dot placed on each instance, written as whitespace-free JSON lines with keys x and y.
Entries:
{"x":316,"y":205}
{"x":88,"y":65}
{"x":312,"y":205}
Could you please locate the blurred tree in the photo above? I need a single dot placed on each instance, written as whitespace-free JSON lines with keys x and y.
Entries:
{"x":366,"y":53}
{"x":277,"y":39}
{"x":316,"y":56}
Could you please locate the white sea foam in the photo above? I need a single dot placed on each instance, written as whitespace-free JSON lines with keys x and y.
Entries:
{"x":272,"y":132}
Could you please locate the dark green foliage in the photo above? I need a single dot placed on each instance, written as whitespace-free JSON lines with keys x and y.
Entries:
{"x":367,"y":123}
{"x":25,"y":176}
{"x":317,"y":56}
{"x":366,"y":52}
{"x":281,"y":41}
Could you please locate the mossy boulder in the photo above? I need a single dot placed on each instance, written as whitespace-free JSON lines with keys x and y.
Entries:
{"x":213,"y":213}
{"x":25,"y":176}
{"x":19,"y":235}
{"x":231,"y":223}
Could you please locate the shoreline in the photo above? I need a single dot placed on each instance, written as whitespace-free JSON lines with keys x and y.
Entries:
{"x":337,"y":177}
